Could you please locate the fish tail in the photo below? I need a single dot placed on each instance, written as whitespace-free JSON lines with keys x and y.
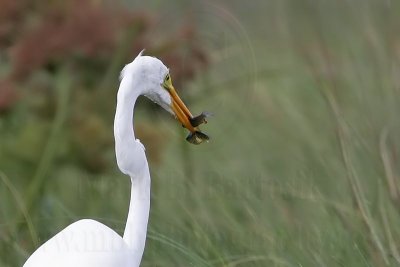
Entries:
{"x":197,"y":138}
{"x":200,"y":119}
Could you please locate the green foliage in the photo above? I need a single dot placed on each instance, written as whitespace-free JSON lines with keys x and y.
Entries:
{"x":301,"y":169}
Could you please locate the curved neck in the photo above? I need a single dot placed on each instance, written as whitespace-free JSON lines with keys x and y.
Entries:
{"x":131,"y":160}
{"x":126,"y":99}
{"x":129,"y":152}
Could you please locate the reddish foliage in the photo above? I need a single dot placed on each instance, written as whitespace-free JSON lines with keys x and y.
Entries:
{"x":184,"y":55}
{"x":92,"y":35}
{"x":89,"y":33}
{"x":8,"y":95}
{"x":64,"y":32}
{"x":10,"y":16}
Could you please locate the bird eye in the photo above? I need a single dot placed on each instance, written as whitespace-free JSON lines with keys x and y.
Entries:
{"x":167,"y":82}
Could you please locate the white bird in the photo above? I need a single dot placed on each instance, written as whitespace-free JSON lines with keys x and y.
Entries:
{"x":88,"y":243}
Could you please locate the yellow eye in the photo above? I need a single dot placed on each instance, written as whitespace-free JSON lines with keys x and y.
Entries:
{"x":167,"y":82}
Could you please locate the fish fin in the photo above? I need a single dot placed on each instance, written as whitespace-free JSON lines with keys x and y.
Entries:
{"x":200,"y":119}
{"x":197,"y":138}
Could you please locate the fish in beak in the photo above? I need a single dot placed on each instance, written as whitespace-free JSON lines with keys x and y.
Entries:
{"x":184,"y":116}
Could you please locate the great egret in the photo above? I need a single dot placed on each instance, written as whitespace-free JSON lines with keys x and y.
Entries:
{"x":89,"y":243}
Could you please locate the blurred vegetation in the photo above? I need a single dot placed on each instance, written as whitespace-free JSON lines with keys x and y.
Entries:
{"x":302,"y":168}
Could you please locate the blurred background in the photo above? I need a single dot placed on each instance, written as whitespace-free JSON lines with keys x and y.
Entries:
{"x":302,"y":168}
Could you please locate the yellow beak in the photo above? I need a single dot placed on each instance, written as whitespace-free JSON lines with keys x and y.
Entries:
{"x":182,"y":113}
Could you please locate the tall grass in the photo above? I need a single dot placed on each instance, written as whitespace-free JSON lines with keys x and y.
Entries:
{"x":302,"y":166}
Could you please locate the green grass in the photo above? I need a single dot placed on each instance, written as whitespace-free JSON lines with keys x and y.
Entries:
{"x":302,"y":166}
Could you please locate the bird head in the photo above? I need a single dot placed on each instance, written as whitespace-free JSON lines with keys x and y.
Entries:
{"x":155,"y":82}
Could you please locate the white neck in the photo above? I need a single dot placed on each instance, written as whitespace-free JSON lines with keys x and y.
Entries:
{"x":138,"y":215}
{"x":131,"y":160}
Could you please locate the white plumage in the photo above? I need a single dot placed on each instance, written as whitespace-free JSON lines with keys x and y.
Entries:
{"x":88,"y":243}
